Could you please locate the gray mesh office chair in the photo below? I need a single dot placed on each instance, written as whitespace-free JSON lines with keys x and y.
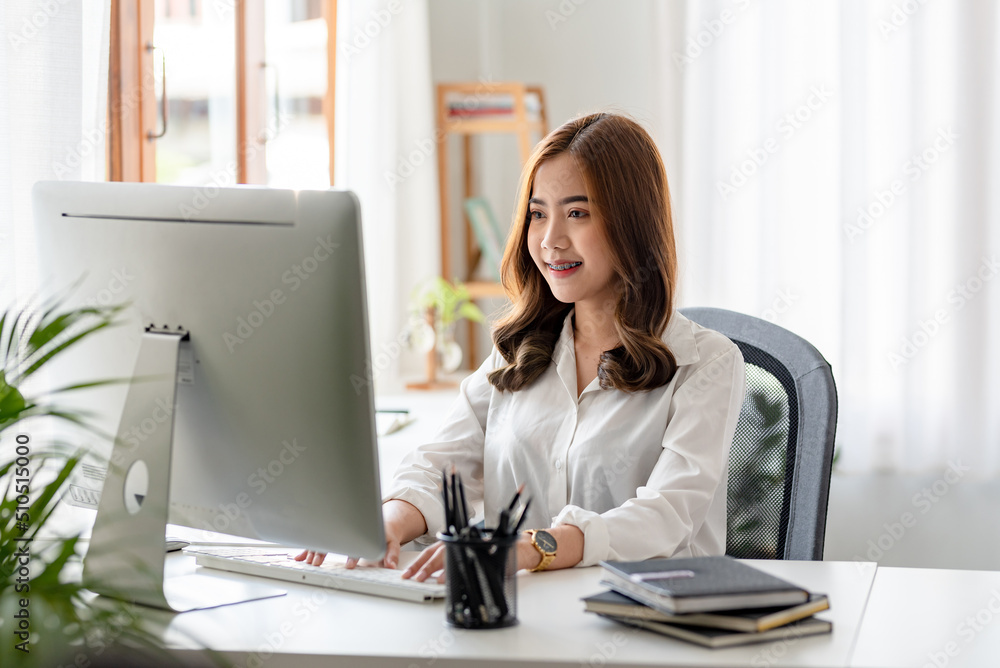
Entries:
{"x":782,"y":453}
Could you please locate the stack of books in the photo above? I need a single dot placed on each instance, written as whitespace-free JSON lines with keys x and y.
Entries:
{"x":711,"y":601}
{"x":462,"y":106}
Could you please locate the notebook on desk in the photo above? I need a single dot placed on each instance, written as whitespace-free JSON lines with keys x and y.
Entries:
{"x":699,"y":584}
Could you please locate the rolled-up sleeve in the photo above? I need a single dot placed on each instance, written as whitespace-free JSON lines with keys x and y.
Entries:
{"x":459,"y":442}
{"x":685,"y":494}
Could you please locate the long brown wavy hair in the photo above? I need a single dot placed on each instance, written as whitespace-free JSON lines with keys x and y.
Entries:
{"x":627,"y":185}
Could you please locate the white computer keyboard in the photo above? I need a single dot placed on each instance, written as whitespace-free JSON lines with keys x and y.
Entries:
{"x":277,"y":563}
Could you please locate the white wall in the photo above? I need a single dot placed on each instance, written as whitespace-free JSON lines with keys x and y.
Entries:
{"x":595,"y":55}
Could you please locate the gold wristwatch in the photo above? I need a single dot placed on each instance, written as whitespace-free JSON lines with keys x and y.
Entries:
{"x":546,"y":546}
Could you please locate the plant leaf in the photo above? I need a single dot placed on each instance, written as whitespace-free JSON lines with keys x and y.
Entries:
{"x":471,"y":311}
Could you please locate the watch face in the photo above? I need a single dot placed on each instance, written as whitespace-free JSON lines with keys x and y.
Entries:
{"x":545,"y":541}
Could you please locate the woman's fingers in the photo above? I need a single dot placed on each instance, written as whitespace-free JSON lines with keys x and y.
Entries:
{"x":419,"y":561}
{"x":433,"y":566}
{"x":391,"y":558}
{"x":430,"y":562}
{"x":311,"y":557}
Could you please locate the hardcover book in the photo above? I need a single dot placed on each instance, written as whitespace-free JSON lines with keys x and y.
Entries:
{"x":700,"y":584}
{"x":709,"y":637}
{"x":747,"y":621}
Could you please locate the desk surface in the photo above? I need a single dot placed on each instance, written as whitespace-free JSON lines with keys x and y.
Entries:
{"x":892,"y":617}
{"x":933,"y":617}
{"x":313,"y":626}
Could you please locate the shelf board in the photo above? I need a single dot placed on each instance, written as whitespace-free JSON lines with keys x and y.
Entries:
{"x":484,"y":289}
{"x":477,"y":125}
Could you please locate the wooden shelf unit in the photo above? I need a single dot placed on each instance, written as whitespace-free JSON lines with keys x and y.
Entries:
{"x":519,"y":122}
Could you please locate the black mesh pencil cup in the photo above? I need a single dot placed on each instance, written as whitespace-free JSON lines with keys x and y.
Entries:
{"x":481,"y":587}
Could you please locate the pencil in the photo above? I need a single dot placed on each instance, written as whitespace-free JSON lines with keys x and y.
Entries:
{"x":517,"y":495}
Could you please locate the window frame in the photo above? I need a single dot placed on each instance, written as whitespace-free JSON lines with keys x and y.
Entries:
{"x":132,"y":110}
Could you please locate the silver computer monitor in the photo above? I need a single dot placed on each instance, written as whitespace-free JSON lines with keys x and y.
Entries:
{"x":258,"y":297}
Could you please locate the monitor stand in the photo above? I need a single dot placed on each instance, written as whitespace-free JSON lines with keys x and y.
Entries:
{"x":126,"y":557}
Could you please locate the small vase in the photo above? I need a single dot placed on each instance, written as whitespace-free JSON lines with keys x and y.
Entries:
{"x":449,"y":352}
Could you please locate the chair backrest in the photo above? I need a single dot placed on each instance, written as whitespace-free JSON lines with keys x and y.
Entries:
{"x":782,"y":453}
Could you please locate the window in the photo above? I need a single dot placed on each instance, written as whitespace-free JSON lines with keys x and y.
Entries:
{"x":231,"y":92}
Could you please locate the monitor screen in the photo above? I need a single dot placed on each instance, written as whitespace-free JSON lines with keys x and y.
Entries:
{"x":273,"y":423}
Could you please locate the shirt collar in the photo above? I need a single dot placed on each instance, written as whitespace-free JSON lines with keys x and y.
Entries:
{"x":679,"y":337}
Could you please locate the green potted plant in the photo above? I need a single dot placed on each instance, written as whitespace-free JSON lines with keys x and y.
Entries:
{"x":436,"y":306}
{"x":46,"y":617}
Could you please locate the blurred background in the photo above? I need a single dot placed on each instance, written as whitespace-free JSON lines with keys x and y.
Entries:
{"x":833,"y":168}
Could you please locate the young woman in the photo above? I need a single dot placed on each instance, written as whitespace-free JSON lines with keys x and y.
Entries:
{"x":613,"y":410}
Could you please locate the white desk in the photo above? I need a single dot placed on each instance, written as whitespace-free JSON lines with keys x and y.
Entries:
{"x":315,"y":627}
{"x":889,"y":617}
{"x":935,"y":617}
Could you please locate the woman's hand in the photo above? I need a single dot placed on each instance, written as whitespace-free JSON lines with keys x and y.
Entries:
{"x":403,"y":523}
{"x":430,"y":563}
{"x":317,"y":558}
{"x":311,"y":557}
{"x":527,"y":556}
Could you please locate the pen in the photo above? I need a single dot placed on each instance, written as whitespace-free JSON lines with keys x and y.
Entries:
{"x":503,"y":525}
{"x":477,"y":560}
{"x":520,"y":518}
{"x":517,"y":495}
{"x":456,"y":508}
{"x":392,"y":410}
{"x":449,"y":519}
{"x":461,"y":500}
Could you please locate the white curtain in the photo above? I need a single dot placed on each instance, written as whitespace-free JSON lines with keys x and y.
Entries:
{"x":53,"y":98}
{"x":838,"y":175}
{"x":385,"y":152}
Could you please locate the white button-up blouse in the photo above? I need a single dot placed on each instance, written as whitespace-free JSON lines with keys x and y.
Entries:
{"x":641,"y":474}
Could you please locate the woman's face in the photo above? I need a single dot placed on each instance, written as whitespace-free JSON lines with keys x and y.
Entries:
{"x":564,"y":235}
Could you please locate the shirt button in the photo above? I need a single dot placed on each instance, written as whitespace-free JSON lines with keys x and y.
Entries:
{"x":558,"y":464}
